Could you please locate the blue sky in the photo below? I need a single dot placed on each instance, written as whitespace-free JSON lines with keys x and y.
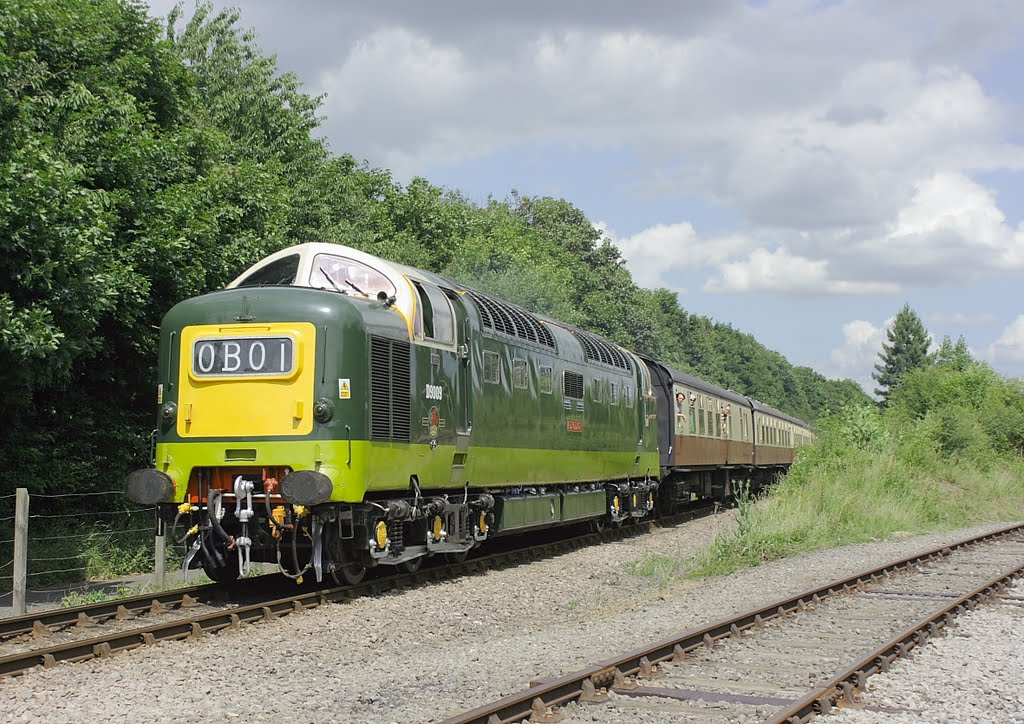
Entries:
{"x":796,"y":169}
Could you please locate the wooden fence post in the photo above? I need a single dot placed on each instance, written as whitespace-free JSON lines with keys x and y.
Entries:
{"x":20,"y":550}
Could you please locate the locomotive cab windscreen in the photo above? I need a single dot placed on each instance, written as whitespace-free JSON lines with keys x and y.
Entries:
{"x":334,"y":268}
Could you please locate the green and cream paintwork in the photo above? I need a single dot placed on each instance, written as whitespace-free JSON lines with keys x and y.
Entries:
{"x":515,"y":431}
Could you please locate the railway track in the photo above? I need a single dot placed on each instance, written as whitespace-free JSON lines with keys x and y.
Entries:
{"x":787,"y":661}
{"x":103,"y":629}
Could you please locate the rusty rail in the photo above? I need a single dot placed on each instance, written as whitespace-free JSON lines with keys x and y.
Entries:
{"x":844,"y":685}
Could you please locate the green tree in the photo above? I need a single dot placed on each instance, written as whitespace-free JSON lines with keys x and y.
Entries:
{"x":957,"y":356}
{"x":907,"y":349}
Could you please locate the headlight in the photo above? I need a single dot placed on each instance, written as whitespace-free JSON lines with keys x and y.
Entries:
{"x":168,"y":412}
{"x":323,"y":410}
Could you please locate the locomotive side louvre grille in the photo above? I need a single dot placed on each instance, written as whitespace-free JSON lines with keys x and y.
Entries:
{"x":380,"y":389}
{"x":573,"y":384}
{"x":401,"y":398}
{"x":511,"y":320}
{"x":389,"y":390}
{"x":545,"y":336}
{"x":598,"y":350}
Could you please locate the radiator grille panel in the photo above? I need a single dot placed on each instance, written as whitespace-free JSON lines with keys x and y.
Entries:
{"x":390,"y":398}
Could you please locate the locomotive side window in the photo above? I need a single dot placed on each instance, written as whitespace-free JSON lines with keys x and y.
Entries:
{"x":595,"y":390}
{"x":544,"y":379}
{"x":520,"y":378}
{"x":627,"y":396}
{"x":613,"y":398}
{"x":492,"y":368}
{"x":280,"y":272}
{"x":435,"y":319}
{"x":348,"y":276}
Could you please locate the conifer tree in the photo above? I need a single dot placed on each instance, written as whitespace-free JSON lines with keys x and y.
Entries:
{"x":958,"y":356}
{"x":906,"y":349}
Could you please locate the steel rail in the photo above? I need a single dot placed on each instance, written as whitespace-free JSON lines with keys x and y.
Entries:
{"x":192,"y":627}
{"x":39,"y":623}
{"x":845,"y":685}
{"x":584,"y":683}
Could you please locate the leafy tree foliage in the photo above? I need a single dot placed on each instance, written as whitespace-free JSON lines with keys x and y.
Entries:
{"x":906,"y":349}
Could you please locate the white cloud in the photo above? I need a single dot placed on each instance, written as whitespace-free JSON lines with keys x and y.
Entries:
{"x":664,"y":249}
{"x":823,"y":129}
{"x":952,"y":229}
{"x":857,"y":162}
{"x":780,"y":271}
{"x":856,"y":357}
{"x":1008,"y":349}
{"x":862,"y":341}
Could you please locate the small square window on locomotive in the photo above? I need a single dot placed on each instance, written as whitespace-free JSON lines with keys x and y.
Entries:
{"x":492,"y":368}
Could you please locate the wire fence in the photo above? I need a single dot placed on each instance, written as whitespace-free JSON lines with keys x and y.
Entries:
{"x":74,"y":538}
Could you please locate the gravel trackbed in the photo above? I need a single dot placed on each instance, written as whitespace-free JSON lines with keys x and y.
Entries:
{"x":420,"y":655}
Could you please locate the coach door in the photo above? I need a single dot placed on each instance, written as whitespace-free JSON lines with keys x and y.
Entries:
{"x":463,"y":407}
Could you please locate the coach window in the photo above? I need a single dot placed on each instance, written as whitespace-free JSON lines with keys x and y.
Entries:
{"x":435,"y":320}
{"x":693,"y":421}
{"x":718,"y":424}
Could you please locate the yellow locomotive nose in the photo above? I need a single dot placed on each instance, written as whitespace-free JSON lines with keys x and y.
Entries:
{"x":244,"y":380}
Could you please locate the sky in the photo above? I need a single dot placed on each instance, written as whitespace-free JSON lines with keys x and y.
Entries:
{"x":799,"y":170}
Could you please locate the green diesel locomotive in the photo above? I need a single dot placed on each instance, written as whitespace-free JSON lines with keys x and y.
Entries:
{"x":332,"y":411}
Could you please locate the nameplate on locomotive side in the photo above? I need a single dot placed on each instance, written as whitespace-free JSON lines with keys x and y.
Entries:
{"x":243,"y":357}
{"x":574,"y":425}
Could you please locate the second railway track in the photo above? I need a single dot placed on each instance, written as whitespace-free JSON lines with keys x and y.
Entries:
{"x":786,"y":661}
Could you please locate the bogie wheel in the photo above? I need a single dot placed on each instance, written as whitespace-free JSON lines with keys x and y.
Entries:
{"x":412,"y":565}
{"x":221,"y":575}
{"x":350,"y":574}
{"x":597,"y":525}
